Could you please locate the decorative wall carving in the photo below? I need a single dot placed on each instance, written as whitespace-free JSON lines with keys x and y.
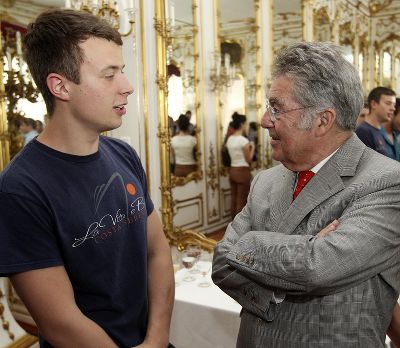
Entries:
{"x":212,"y":173}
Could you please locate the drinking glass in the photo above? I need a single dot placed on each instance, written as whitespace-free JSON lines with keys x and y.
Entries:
{"x":195,"y":251}
{"x":204,"y":265}
{"x":188,"y":261}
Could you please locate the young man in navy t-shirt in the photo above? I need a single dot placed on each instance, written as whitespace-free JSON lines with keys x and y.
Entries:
{"x":80,"y":239}
{"x":381,"y":104}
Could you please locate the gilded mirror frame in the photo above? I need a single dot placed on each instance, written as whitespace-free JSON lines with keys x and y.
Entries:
{"x":177,"y":236}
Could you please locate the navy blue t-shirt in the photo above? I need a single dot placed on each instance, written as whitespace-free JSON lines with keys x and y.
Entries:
{"x":371,"y":137}
{"x":89,"y":214}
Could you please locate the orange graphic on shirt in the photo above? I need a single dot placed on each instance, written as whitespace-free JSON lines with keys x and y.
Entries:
{"x":131,"y":189}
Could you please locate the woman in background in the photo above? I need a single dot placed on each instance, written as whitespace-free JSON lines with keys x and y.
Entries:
{"x":183,"y":148}
{"x":241,"y":152}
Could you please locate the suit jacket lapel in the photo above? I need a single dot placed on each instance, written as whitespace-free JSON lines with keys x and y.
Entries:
{"x":327,"y":182}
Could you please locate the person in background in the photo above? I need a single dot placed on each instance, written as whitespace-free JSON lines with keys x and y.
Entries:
{"x":241,"y":152}
{"x":381,"y":103}
{"x":314,"y":256}
{"x":390,"y":131}
{"x":39,"y":126}
{"x":252,"y":135}
{"x":183,"y":147}
{"x":230,"y":130}
{"x":363,"y":114}
{"x":27,"y":128}
{"x":192,"y":127}
{"x":80,"y":238}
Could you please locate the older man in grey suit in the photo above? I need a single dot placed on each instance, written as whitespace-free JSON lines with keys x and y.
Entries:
{"x":317,"y":267}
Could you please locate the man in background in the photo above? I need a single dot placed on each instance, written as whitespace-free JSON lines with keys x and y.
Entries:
{"x":80,"y":239}
{"x":390,"y":131}
{"x":27,"y":128}
{"x":363,"y":114}
{"x":39,"y":126}
{"x":298,"y":284}
{"x":381,"y":103}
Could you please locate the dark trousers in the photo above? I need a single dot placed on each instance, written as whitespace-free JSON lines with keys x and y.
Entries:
{"x":239,"y":178}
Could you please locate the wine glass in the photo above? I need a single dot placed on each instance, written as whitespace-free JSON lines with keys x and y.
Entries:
{"x":204,"y":265}
{"x":195,"y":251}
{"x":188,"y":261}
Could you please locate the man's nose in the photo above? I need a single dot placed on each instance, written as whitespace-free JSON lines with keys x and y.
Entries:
{"x":126,"y":88}
{"x":266,"y":121}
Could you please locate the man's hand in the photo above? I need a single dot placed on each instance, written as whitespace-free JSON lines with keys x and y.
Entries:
{"x":328,"y":229}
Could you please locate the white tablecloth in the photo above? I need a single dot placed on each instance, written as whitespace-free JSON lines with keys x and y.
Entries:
{"x":203,"y":317}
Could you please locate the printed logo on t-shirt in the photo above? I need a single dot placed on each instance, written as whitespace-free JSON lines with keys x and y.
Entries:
{"x":116,"y":221}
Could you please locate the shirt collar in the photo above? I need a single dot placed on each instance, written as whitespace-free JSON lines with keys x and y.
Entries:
{"x":316,"y":168}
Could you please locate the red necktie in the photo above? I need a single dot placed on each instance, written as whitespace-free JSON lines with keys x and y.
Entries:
{"x":302,"y":179}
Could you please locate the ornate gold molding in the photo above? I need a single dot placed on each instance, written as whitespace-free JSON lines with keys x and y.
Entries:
{"x":186,"y":237}
{"x":24,"y":342}
{"x":212,"y":173}
{"x":378,"y":5}
{"x":183,"y":180}
{"x":4,"y":322}
{"x":4,"y":135}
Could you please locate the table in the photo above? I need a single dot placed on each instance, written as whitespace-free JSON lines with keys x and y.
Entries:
{"x":203,"y":317}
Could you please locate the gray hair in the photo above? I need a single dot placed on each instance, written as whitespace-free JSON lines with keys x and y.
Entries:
{"x":322,"y":78}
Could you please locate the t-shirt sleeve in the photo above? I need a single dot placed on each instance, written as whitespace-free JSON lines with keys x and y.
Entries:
{"x":244,"y":141}
{"x":27,"y":240}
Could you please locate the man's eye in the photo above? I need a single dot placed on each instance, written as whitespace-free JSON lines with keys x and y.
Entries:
{"x":275,"y":110}
{"x":109,"y":77}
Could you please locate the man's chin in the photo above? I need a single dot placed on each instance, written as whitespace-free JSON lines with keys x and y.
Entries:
{"x":110,"y":127}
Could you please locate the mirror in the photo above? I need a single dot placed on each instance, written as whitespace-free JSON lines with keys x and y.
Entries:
{"x":24,"y":105}
{"x":183,"y":105}
{"x":176,"y":33}
{"x":236,"y":79}
{"x":236,"y":72}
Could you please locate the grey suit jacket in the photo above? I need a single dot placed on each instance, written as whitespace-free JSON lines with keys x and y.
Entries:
{"x":339,"y":290}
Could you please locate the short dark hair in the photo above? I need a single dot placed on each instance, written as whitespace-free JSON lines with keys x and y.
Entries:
{"x":376,"y":93}
{"x":397,"y":107}
{"x":238,"y":120}
{"x":183,"y":122}
{"x":51,"y":44}
{"x":29,"y":122}
{"x":253,"y":125}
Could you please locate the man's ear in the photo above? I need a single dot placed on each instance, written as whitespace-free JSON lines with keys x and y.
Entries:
{"x":374,"y":104}
{"x":325,"y":121}
{"x":58,"y":86}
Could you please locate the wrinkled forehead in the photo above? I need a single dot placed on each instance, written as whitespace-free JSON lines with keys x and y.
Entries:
{"x":281,"y":90}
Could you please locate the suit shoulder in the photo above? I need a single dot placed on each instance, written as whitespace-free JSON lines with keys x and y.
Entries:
{"x":374,"y":166}
{"x":273,"y":173}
